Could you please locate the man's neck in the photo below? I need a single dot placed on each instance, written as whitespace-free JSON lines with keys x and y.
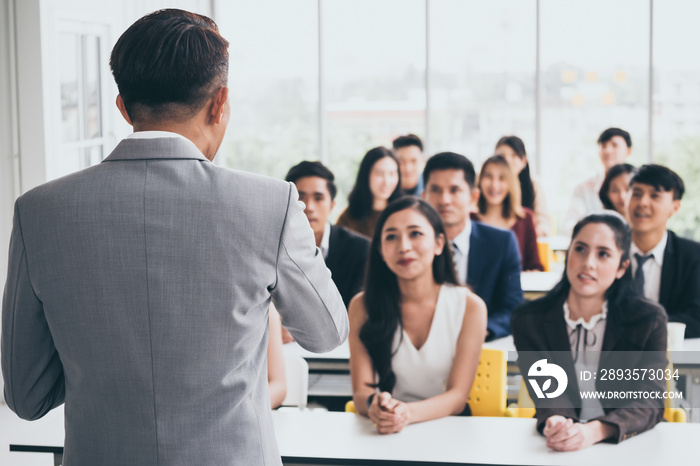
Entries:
{"x":452,"y":231}
{"x":648,"y":240}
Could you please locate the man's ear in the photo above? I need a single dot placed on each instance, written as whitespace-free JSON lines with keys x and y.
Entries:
{"x":122,"y":109}
{"x":676,"y":206}
{"x":218,"y":105}
{"x":332,"y":204}
{"x":475,"y":196}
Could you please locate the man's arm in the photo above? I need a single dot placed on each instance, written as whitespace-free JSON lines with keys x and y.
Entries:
{"x":508,"y":293}
{"x":33,"y":373}
{"x":304,"y":294}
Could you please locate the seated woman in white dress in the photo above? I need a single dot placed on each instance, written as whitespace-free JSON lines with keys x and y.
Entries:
{"x":415,"y":334}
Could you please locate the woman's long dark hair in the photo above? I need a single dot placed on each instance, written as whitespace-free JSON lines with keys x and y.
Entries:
{"x":623,"y":291}
{"x":527,"y":189}
{"x":511,"y":207}
{"x":382,"y":297}
{"x":614,"y":172}
{"x":361,"y":200}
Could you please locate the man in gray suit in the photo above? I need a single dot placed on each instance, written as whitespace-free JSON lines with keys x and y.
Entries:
{"x":138,"y":289}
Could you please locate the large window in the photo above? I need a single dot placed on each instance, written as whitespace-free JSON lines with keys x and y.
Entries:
{"x":273,"y":79}
{"x":374,"y":68}
{"x":482,"y":74}
{"x":328,"y":80}
{"x":676,"y":117}
{"x":594,"y":65}
{"x":80,"y":58}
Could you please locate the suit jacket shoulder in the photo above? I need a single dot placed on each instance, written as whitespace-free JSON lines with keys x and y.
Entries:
{"x":679,"y":292}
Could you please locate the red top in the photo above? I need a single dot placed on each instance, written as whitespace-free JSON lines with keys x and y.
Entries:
{"x":525,"y":233}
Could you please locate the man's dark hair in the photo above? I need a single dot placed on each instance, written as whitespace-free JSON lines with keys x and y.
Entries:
{"x":407,"y":141}
{"x":661,"y":178}
{"x":610,"y":133}
{"x":450,"y":161}
{"x":168,"y":64}
{"x":307,"y":168}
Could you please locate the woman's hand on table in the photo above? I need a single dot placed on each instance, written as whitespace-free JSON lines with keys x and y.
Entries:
{"x":388,"y":414}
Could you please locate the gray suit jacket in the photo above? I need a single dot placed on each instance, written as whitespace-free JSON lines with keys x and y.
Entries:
{"x":138,"y":291}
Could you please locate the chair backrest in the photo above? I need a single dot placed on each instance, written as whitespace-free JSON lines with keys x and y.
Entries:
{"x":546,"y":255}
{"x":489,"y":391}
{"x":297,"y":375}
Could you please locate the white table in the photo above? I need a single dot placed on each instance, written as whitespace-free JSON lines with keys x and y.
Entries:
{"x":342,"y":438}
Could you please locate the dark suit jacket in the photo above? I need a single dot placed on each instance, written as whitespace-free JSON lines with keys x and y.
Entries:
{"x":493,"y":273}
{"x":679,"y":293}
{"x":347,"y":260}
{"x":540,"y":331}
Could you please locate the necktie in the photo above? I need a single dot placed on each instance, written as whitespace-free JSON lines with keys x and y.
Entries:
{"x":639,"y":277}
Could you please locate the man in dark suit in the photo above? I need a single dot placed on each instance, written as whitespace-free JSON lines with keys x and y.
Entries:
{"x":345,"y":252}
{"x":486,"y":258}
{"x":665,"y":266}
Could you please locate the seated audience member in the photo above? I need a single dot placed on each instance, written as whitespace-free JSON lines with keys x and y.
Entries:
{"x":276,"y":377}
{"x":592,"y":313}
{"x":377,"y":183}
{"x":415,"y":335}
{"x":409,"y":151}
{"x":531,"y":193}
{"x":499,"y":206}
{"x":614,"y":191}
{"x":345,"y":252}
{"x":670,"y":265}
{"x":486,"y":258}
{"x":614,"y":145}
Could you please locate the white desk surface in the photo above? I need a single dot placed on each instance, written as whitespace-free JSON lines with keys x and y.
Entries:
{"x":539,"y":282}
{"x":482,"y":440}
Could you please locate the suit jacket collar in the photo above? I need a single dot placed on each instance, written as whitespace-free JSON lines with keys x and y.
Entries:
{"x":476,"y":243}
{"x":333,"y":253}
{"x":668,"y":269}
{"x":157,"y":148}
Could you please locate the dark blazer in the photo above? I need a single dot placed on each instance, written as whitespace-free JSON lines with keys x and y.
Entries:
{"x":347,"y":260}
{"x":493,"y":273}
{"x":679,"y":293}
{"x":539,"y":329}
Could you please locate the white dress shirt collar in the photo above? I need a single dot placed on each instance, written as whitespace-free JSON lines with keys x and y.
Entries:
{"x":461,"y":241}
{"x":326,"y":241}
{"x":657,"y":251}
{"x":460,"y":251}
{"x":587,"y":325}
{"x":159,"y":134}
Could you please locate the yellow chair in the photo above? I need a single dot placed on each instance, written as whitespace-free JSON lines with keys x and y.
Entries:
{"x":350,"y":407}
{"x":672,"y":414}
{"x":546,"y":255}
{"x":489,"y":391}
{"x":524,"y":407}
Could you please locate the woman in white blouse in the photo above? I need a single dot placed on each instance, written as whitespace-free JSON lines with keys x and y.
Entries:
{"x":415,"y":334}
{"x":592,"y":322}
